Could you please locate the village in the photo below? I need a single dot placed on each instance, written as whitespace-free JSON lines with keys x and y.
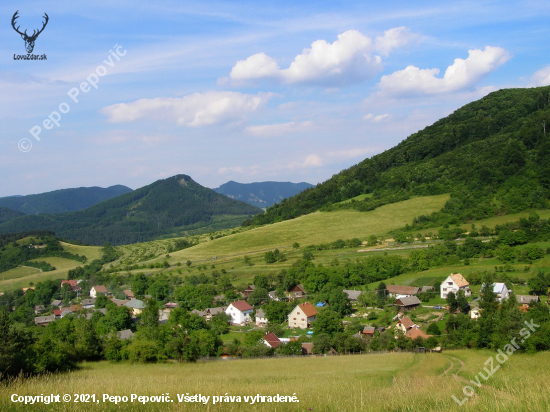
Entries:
{"x":415,"y":325}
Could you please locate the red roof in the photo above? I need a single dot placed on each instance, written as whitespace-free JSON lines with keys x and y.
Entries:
{"x":100,"y":288}
{"x":308,"y":309}
{"x":416,"y":333}
{"x":272,"y":340}
{"x":242,"y":305}
{"x":71,"y":283}
{"x":407,"y":322}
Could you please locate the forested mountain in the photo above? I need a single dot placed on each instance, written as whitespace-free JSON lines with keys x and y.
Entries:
{"x":64,"y":200}
{"x":261,"y":194}
{"x":8,"y":214}
{"x":143,"y":214}
{"x":492,"y":155}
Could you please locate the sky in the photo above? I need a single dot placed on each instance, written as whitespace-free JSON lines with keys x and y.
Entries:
{"x":132,"y":92}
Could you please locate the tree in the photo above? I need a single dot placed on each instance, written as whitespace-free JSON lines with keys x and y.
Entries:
{"x":276,"y":311}
{"x":433,"y":329}
{"x":258,"y":296}
{"x":462,"y":302}
{"x":14,"y":350}
{"x":150,"y":315}
{"x":254,"y":337}
{"x":290,"y":348}
{"x":339,"y":302}
{"x":328,"y":322}
{"x":452,"y":302}
{"x":159,"y":289}
{"x":139,"y":285}
{"x":321,"y":343}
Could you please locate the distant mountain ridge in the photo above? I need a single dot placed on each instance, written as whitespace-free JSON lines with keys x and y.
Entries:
{"x":161,"y":208}
{"x":261,"y":194}
{"x":61,"y":201}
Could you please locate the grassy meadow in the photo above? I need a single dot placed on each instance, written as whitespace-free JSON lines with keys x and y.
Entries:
{"x":374,"y":382}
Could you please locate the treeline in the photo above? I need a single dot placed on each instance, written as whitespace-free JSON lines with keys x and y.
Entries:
{"x":13,"y":254}
{"x":492,"y":155}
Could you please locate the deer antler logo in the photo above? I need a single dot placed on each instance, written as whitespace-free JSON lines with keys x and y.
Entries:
{"x":29,"y":40}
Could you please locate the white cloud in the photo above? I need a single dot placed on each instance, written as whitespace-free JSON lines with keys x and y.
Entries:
{"x":349,"y":59}
{"x":377,"y":119}
{"x":541,"y":77}
{"x":273,"y":130}
{"x":460,"y":75}
{"x":198,"y":109}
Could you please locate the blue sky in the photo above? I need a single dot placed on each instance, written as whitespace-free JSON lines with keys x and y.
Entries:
{"x":246,"y":91}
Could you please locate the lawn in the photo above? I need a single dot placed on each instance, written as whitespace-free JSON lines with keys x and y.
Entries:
{"x":374,"y":382}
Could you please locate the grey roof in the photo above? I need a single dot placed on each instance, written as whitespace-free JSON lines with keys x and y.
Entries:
{"x":136,"y":304}
{"x":125,"y":334}
{"x":197,"y":312}
{"x":44,"y":319}
{"x":352,"y":294}
{"x":57,"y":302}
{"x":120,"y":302}
{"x":273,"y":294}
{"x":525,"y":299}
{"x":408,"y":301}
{"x":369,"y":329}
{"x":427,"y":288}
{"x":260,"y":313}
{"x":39,"y":307}
{"x":87,"y":302}
{"x":214,"y":311}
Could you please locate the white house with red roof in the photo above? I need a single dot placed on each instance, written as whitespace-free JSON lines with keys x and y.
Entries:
{"x":95,"y":291}
{"x":240,"y":312}
{"x":271,"y":340}
{"x":302,"y":315}
{"x":454,"y":283}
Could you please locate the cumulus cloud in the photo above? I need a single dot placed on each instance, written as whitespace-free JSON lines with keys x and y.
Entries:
{"x":278,"y":129}
{"x":348,"y":60}
{"x":462,"y":74}
{"x":541,"y":78}
{"x":198,"y":109}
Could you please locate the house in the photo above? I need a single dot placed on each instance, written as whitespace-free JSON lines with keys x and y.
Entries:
{"x":125,"y":334}
{"x":76,"y":308}
{"x":197,"y":312}
{"x":171,"y":305}
{"x":427,"y":289}
{"x":119,"y":302}
{"x":271,"y":340}
{"x":25,"y":290}
{"x":261,"y":320}
{"x":369,"y":331}
{"x":87,"y":303}
{"x":416,"y":332}
{"x":501,"y":291}
{"x":405,"y":324}
{"x":526,"y":299}
{"x":307,"y":348}
{"x":273,"y":295}
{"x":57,"y":303}
{"x":39,"y":309}
{"x":73,"y":284}
{"x":57,"y":313}
{"x":407,"y":303}
{"x":95,"y":291}
{"x":297,"y":292}
{"x":44,"y":320}
{"x":475,"y":313}
{"x":209,"y":312}
{"x":454,"y":283}
{"x":398,"y":291}
{"x":65,"y":312}
{"x":240,"y":312}
{"x":128,"y":294}
{"x":136,"y":305}
{"x":164,"y":315}
{"x":352,"y":294}
{"x":248,"y":291}
{"x":302,"y":316}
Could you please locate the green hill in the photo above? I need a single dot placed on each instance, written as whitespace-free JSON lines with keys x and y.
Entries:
{"x":261,"y":194}
{"x":492,"y":155}
{"x":8,"y":214}
{"x":60,"y":201}
{"x":151,"y":211}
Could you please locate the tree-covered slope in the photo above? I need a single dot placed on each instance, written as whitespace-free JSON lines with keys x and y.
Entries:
{"x":8,"y":214}
{"x":492,"y":155}
{"x":261,"y":194}
{"x":64,"y":200}
{"x":153,"y":210}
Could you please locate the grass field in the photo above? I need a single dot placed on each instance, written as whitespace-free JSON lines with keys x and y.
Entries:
{"x":374,"y":382}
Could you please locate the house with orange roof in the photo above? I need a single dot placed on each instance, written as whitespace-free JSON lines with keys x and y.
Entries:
{"x":271,"y":340}
{"x":405,"y":324}
{"x":416,"y":332}
{"x":240,"y":312}
{"x":454,"y":283}
{"x":302,"y":316}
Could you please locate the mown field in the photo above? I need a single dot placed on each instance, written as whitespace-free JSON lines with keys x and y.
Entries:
{"x":374,"y":382}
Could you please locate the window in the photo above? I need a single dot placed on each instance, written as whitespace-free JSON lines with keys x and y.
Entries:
{"x":293,"y":318}
{"x":303,"y":319}
{"x":297,"y":313}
